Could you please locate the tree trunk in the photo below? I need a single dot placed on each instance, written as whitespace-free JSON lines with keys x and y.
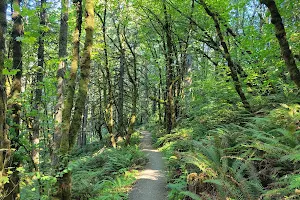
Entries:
{"x":146,"y":105}
{"x":67,"y":141}
{"x":62,"y":188}
{"x":160,"y":97}
{"x":133,"y":79}
{"x":63,"y":39}
{"x":38,"y":90}
{"x":109,"y":111}
{"x":154,"y":103}
{"x":71,"y":84}
{"x":15,"y":106}
{"x":283,"y":42}
{"x":84,"y":72}
{"x":82,"y":134}
{"x":170,"y":108}
{"x":5,"y":152}
{"x":233,"y":72}
{"x":121,"y":91}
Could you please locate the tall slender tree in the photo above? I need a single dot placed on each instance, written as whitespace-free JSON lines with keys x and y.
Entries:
{"x":5,"y":152}
{"x":170,"y":107}
{"x":69,"y":100}
{"x":38,"y":90}
{"x":67,"y":140}
{"x":14,"y":98}
{"x":63,"y":41}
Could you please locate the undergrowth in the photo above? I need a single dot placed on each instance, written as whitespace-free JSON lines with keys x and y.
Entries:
{"x":107,"y":173}
{"x":257,"y":157}
{"x":98,"y":172}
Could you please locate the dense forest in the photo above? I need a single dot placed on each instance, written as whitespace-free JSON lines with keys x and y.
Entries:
{"x":216,"y":82}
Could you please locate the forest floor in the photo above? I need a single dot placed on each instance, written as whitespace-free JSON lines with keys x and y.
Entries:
{"x":151,"y":182}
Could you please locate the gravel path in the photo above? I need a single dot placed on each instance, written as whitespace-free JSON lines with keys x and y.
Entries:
{"x":151,"y":182}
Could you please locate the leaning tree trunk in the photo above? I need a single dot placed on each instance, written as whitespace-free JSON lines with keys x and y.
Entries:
{"x":283,"y":42}
{"x":14,"y":98}
{"x":4,"y":141}
{"x":233,"y":72}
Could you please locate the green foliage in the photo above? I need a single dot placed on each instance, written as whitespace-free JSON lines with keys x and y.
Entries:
{"x":107,"y":173}
{"x":257,"y":159}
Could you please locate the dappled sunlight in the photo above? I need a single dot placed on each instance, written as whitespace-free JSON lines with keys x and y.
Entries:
{"x":151,"y":182}
{"x":150,"y":150}
{"x":151,"y":174}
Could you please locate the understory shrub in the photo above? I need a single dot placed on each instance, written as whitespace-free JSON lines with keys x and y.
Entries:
{"x":107,"y":174}
{"x":257,"y":159}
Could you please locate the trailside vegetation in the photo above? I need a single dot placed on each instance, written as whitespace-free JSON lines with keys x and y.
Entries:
{"x":216,"y":82}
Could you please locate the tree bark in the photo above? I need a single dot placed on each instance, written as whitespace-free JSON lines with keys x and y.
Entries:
{"x":84,"y":71}
{"x":14,"y":98}
{"x":82,"y":135}
{"x":160,"y":115}
{"x":283,"y":42}
{"x":71,"y":84}
{"x":67,"y":141}
{"x":170,"y":107}
{"x":62,"y":187}
{"x":5,"y":152}
{"x":63,"y":40}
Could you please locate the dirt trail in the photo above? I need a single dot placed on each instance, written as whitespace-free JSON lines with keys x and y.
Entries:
{"x":151,"y":182}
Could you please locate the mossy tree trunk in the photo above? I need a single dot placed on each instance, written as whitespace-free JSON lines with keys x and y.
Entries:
{"x":71,"y":84}
{"x":68,"y":138}
{"x":233,"y":72}
{"x":283,"y":42}
{"x":58,"y":160}
{"x":5,"y":152}
{"x":160,"y":114}
{"x":85,"y":67}
{"x":14,"y":100}
{"x":170,"y":107}
{"x":63,"y":41}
